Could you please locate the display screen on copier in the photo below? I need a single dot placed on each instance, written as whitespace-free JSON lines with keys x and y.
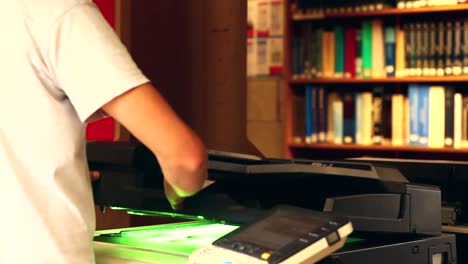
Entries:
{"x":278,"y":230}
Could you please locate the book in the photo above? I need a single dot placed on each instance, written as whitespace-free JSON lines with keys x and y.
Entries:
{"x":398,"y":119}
{"x":331,"y":99}
{"x":309,"y":122}
{"x":367,"y":118}
{"x":436,"y":126}
{"x":390,"y":50}
{"x":339,"y":51}
{"x":358,"y":61}
{"x":457,"y":122}
{"x":449,"y":48}
{"x":322,"y":115}
{"x":377,"y":101}
{"x":338,"y":121}
{"x":465,"y":46}
{"x":349,"y":119}
{"x":378,"y":49}
{"x":358,"y":117}
{"x":413,"y":103}
{"x":298,"y":118}
{"x":386,"y":117}
{"x":449,"y":95}
{"x":400,"y":64}
{"x":350,"y":57}
{"x":440,"y":49}
{"x":367,"y":48}
{"x":457,"y":66}
{"x":423,"y":115}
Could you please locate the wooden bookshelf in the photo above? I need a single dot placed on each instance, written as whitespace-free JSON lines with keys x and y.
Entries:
{"x":382,"y":148}
{"x":343,"y":151}
{"x":441,"y":79}
{"x":294,"y":150}
{"x":377,"y":13}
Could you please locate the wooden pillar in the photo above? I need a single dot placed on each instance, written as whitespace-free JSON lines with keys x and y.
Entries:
{"x":195,"y":54}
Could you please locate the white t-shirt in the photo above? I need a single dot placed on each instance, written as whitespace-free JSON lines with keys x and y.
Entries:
{"x":59,"y":63}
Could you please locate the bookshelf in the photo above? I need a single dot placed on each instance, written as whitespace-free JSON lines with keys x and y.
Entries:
{"x":383,"y":12}
{"x":297,"y":84}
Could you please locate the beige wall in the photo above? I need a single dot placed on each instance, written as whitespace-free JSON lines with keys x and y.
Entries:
{"x":265,"y":111}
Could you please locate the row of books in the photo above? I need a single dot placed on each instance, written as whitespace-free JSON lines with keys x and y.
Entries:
{"x":431,"y":116}
{"x":323,"y":7}
{"x":424,"y":3}
{"x":375,"y":50}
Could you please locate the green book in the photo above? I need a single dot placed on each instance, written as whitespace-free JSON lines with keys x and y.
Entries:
{"x":367,"y":49}
{"x":339,"y":51}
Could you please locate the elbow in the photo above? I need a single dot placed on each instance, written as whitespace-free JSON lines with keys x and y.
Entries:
{"x":192,"y":166}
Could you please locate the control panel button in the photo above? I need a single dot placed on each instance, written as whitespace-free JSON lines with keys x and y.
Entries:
{"x":333,"y":238}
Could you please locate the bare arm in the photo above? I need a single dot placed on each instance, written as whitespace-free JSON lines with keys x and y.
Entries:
{"x":179,"y":150}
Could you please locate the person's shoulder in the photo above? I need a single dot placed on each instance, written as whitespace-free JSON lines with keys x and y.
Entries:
{"x":48,"y":11}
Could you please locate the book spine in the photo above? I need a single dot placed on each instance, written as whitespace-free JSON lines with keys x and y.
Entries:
{"x":418,"y":56}
{"x":322,"y":115}
{"x":308,"y":114}
{"x":377,"y":100}
{"x":423,"y":125}
{"x":413,"y":114}
{"x":436,"y":117}
{"x":449,"y":94}
{"x":465,"y":46}
{"x":387,"y":117}
{"x":298,"y":119}
{"x":457,"y":67}
{"x":457,"y":126}
{"x":390,"y":50}
{"x":319,"y":52}
{"x":400,"y":52}
{"x":367,"y":49}
{"x":358,"y":116}
{"x":378,"y":49}
{"x":432,"y":56}
{"x":338,"y":121}
{"x":339,"y":52}
{"x":397,"y":119}
{"x":440,"y":49}
{"x":350,"y":52}
{"x":349,"y":120}
{"x":449,"y":49}
{"x":425,"y":49}
{"x":359,"y":62}
{"x":315,"y":115}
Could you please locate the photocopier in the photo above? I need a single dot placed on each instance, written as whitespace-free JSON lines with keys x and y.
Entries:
{"x":394,"y":220}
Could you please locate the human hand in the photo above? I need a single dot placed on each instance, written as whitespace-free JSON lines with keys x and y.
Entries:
{"x":175,"y":200}
{"x":94,"y":175}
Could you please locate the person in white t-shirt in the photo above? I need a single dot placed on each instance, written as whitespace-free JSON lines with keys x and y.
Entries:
{"x":61,"y":63}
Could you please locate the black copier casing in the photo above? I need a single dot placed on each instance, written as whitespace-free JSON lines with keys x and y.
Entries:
{"x":399,"y":221}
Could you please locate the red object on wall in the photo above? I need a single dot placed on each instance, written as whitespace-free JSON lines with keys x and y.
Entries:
{"x":103,"y":129}
{"x":107,"y":8}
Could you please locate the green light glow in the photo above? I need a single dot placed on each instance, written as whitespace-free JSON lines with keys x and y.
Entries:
{"x":353,"y":240}
{"x":158,"y":213}
{"x":176,"y":238}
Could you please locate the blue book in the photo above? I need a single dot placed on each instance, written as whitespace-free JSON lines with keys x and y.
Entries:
{"x":390,"y":47}
{"x":413,"y":114}
{"x":308,"y":114}
{"x":423,"y":106}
